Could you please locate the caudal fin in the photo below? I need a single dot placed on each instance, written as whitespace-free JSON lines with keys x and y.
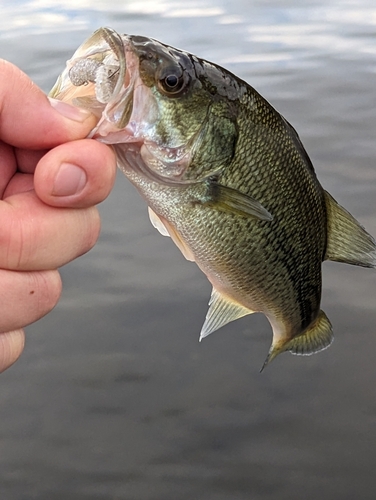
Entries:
{"x":347,"y":240}
{"x":317,"y":337}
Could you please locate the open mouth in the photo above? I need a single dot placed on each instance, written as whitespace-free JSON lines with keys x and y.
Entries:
{"x":103,"y":76}
{"x":100,"y":76}
{"x":95,"y":73}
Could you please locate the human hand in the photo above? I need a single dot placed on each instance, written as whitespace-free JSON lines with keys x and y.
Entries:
{"x":51,"y":178}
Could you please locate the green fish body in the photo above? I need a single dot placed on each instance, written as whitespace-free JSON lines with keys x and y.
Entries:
{"x":226,"y":176}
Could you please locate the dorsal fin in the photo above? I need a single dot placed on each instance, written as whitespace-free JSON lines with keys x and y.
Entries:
{"x":221,"y":311}
{"x":317,"y":337}
{"x":347,"y":240}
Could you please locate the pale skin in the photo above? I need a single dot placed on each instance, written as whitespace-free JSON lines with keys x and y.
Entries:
{"x":51,"y":178}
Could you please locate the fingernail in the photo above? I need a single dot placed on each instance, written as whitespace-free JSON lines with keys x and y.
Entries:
{"x":69,"y":180}
{"x":69,"y":111}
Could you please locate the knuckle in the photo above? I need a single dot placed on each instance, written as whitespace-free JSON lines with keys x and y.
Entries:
{"x":16,"y":244}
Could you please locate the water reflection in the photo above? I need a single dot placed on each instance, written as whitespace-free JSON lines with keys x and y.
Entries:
{"x":198,"y":11}
{"x":114,"y":397}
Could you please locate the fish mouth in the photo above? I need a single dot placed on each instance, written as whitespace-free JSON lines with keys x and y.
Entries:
{"x":130,"y":111}
{"x":103,"y":76}
{"x":94,"y":74}
{"x":128,"y":122}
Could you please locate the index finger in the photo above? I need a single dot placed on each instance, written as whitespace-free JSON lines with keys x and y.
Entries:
{"x":27,"y":118}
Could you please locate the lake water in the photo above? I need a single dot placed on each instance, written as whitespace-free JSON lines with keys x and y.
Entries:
{"x":114,"y":398}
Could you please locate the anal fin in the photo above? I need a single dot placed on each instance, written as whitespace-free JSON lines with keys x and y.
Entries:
{"x":221,"y":311}
{"x":347,"y":240}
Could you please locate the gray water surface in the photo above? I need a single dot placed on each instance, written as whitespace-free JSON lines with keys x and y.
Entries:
{"x":114,"y":398}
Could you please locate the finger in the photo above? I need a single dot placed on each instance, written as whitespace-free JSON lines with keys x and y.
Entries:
{"x":27,"y":159}
{"x":26,"y":297}
{"x":77,"y":174}
{"x":8,"y":166}
{"x":11,"y":347}
{"x":27,"y":118}
{"x":19,"y":183}
{"x":35,"y":236}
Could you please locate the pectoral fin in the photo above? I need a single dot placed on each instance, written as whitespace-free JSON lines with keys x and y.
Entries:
{"x":317,"y":337}
{"x":166,"y":229}
{"x":347,"y":240}
{"x":231,"y":200}
{"x":221,"y":311}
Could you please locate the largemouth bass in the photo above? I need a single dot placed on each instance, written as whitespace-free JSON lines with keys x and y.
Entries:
{"x":225,"y":176}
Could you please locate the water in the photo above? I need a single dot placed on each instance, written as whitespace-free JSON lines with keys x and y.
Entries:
{"x":114,"y":398}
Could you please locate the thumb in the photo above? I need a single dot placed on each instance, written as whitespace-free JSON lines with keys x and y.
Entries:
{"x":28,"y":119}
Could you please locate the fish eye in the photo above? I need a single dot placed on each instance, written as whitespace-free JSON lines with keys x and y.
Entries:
{"x":172,"y":82}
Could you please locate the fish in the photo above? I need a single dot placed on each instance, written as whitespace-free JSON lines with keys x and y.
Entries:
{"x":225,"y":176}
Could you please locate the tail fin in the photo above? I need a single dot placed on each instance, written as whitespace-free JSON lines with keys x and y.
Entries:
{"x":347,"y":240}
{"x":317,"y":337}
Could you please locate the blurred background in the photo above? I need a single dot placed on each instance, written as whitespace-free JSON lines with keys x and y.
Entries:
{"x":114,"y":398}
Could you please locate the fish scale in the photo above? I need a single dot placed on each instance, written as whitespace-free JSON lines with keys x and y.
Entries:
{"x":284,"y":172}
{"x":226,"y":176}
